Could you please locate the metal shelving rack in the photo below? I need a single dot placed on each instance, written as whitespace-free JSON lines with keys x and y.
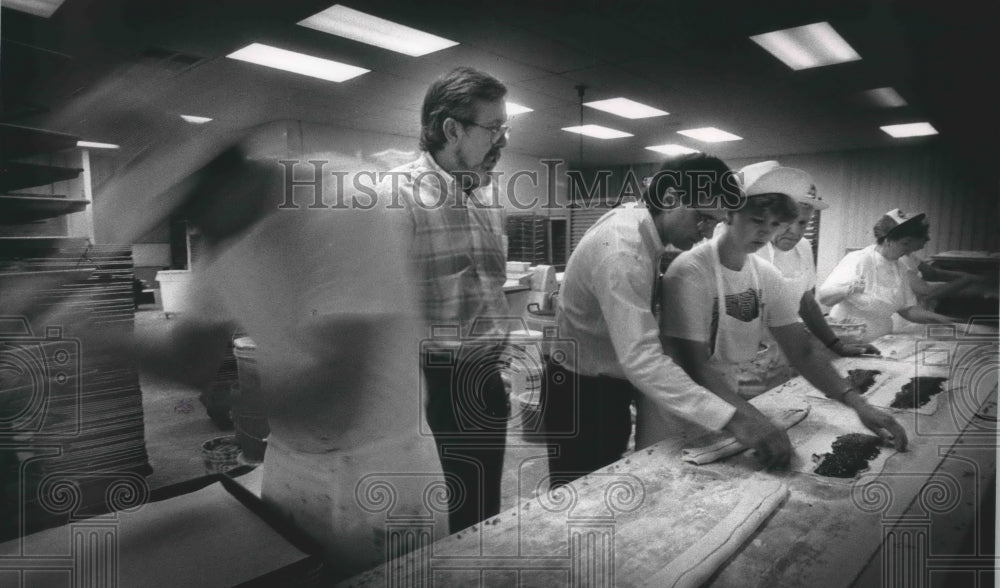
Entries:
{"x":70,"y":413}
{"x":528,"y":236}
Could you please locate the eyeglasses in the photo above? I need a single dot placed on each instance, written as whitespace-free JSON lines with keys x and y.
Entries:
{"x":705,"y":222}
{"x":496,"y":131}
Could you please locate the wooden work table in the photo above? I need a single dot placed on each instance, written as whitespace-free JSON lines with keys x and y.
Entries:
{"x":919,"y":521}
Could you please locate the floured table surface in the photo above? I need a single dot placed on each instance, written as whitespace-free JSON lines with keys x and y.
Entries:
{"x":785,"y":411}
{"x":813,"y":438}
{"x":890,"y":379}
{"x":626,"y":523}
{"x":610,"y":519}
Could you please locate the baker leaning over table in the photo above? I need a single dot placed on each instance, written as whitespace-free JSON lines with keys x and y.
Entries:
{"x":606,"y":307}
{"x":718,"y":299}
{"x":872,"y":284}
{"x":792,"y":255}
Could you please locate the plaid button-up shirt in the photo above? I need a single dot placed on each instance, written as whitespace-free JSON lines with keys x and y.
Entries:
{"x":457,"y":249}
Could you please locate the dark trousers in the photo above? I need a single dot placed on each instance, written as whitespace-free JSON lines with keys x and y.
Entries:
{"x":587,"y":422}
{"x":467,"y":411}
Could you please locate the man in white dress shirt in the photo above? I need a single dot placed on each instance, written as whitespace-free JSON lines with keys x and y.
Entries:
{"x":606,"y":308}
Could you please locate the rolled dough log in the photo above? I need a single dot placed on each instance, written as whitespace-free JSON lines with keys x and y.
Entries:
{"x":691,"y":568}
{"x":727,"y":446}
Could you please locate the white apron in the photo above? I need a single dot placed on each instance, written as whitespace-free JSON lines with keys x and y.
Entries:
{"x":770,"y":367}
{"x":736,"y":342}
{"x":884,"y":294}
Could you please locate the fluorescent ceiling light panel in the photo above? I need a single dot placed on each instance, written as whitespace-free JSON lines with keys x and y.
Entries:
{"x":196,"y":120}
{"x":672,"y":149}
{"x":356,"y":25}
{"x":919,"y":129}
{"x":43,"y":8}
{"x":514,"y":109}
{"x":807,"y":46}
{"x":94,"y":145}
{"x":300,"y":63}
{"x":598,"y":132}
{"x":710,"y":135}
{"x":626,"y":108}
{"x":884,"y":97}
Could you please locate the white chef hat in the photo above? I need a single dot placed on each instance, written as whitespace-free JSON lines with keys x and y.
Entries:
{"x":770,"y":178}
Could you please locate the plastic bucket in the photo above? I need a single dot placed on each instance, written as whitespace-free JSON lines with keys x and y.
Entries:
{"x":528,"y":410}
{"x":221,"y":454}
{"x":538,"y":321}
{"x":524,"y":370}
{"x":249,"y":417}
{"x":174,"y":286}
{"x":522,"y":361}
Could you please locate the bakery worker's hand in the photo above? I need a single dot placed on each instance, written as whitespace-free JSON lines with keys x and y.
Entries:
{"x":852,"y":349}
{"x":882,"y":424}
{"x":754,"y":430}
{"x":857,"y":285}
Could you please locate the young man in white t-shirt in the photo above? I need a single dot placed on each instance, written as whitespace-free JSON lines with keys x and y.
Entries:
{"x":711,"y":334}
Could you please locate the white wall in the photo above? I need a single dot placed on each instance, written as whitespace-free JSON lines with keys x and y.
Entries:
{"x":862,"y":185}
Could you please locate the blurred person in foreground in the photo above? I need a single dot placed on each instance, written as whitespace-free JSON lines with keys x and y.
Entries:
{"x":718,"y":298}
{"x":325,"y":295}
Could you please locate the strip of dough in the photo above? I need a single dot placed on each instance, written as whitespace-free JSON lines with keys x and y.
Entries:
{"x":691,"y":568}
{"x":730,"y":446}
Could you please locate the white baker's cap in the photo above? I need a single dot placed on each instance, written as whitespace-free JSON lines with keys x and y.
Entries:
{"x":774,"y":179}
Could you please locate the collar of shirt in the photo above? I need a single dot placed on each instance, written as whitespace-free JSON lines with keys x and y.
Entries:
{"x":650,"y":236}
{"x":452,"y":193}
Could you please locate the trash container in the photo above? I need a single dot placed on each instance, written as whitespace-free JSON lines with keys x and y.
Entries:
{"x":220,"y":454}
{"x":249,"y":416}
{"x":174,"y":287}
{"x":523,"y":368}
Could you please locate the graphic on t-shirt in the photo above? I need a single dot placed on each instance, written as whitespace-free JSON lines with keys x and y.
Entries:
{"x":744,"y":307}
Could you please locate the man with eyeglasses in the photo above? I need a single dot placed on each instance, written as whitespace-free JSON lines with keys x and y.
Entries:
{"x":607,"y":306}
{"x":459,"y":262}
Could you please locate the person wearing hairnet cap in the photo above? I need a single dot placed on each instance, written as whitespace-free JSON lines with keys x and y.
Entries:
{"x":870,"y":285}
{"x":325,"y":294}
{"x":712,"y":335}
{"x":793,"y":256}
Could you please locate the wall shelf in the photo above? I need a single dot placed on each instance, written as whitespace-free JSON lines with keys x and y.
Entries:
{"x":17,"y":209}
{"x":17,"y":175}
{"x":17,"y":141}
